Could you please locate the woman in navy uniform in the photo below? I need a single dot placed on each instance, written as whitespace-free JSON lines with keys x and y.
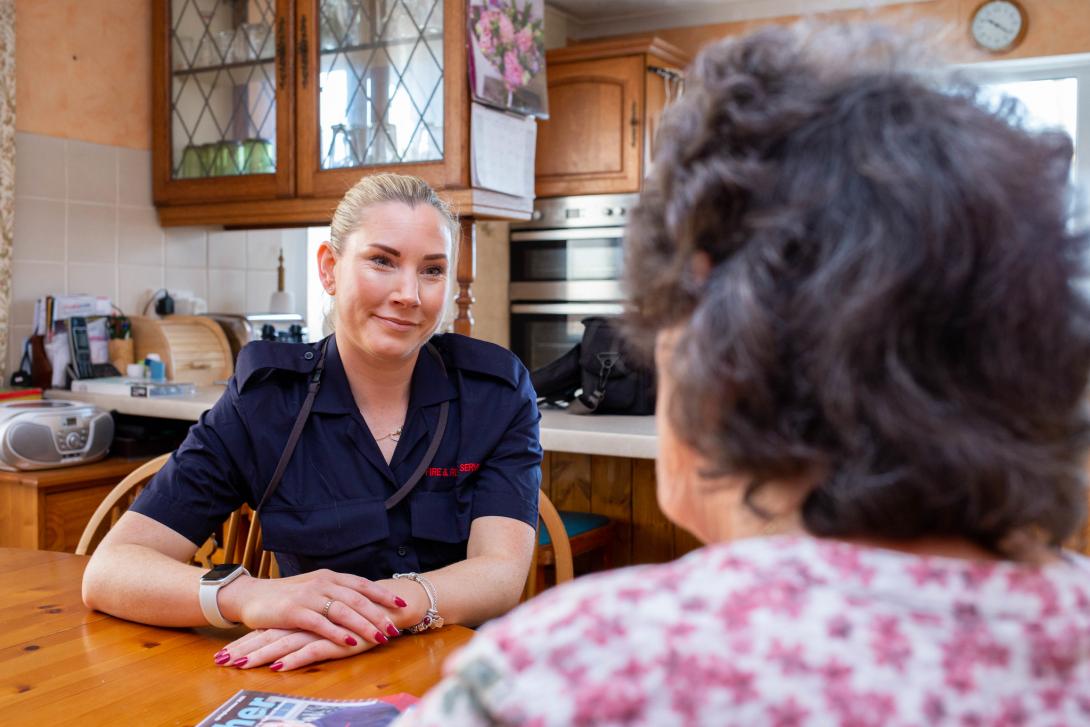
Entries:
{"x":457,"y":412}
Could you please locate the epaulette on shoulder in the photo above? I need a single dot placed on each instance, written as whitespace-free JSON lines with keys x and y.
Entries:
{"x":262,"y":356}
{"x":481,"y":357}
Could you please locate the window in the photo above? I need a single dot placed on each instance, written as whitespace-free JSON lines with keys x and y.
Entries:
{"x":1056,"y":94}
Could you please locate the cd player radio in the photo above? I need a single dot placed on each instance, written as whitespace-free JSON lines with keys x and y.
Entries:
{"x":38,"y":435}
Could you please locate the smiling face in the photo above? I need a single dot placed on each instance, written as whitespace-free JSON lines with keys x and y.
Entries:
{"x":390,"y":281}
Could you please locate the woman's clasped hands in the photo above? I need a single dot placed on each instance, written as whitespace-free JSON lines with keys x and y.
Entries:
{"x":306,"y":618}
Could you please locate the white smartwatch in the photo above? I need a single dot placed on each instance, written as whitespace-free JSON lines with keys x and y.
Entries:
{"x":211,"y":583}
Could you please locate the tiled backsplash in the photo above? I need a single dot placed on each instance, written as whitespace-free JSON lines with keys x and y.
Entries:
{"x":84,"y":223}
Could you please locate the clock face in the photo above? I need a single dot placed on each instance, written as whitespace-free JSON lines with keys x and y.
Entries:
{"x":997,"y":25}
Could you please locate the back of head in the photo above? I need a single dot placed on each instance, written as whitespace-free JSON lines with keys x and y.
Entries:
{"x":876,"y":273}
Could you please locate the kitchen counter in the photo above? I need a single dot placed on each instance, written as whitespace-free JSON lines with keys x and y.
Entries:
{"x":615,"y":436}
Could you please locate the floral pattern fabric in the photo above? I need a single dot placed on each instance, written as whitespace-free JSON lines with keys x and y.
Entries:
{"x":785,"y":632}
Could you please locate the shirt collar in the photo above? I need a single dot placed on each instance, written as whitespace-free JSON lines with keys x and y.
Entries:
{"x":428,"y":386}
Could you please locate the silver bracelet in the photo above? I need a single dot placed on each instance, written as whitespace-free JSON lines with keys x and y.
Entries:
{"x":432,"y":619}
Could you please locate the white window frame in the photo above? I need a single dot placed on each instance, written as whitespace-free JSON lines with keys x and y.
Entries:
{"x":1047,"y":68}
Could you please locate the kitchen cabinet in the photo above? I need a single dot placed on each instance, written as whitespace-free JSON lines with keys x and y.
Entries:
{"x":266,"y":111}
{"x":605,"y":98}
{"x":48,"y":509}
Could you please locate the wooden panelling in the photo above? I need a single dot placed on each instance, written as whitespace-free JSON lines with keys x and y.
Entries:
{"x":19,"y":516}
{"x":611,"y":495}
{"x":652,"y":533}
{"x":622,"y":489}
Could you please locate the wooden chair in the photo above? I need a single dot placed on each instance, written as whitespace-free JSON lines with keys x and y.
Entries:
{"x":566,"y":534}
{"x":242,"y":533}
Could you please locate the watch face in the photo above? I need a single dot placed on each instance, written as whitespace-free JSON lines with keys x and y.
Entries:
{"x":220,"y":572}
{"x":997,"y":25}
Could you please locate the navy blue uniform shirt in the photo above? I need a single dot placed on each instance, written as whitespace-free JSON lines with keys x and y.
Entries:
{"x":328,"y":510}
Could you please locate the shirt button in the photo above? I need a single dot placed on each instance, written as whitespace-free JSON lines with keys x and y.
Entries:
{"x":308,"y":355}
{"x":402,"y":551}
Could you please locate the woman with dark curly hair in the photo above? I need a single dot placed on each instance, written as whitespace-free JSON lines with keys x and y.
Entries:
{"x":859,"y":284}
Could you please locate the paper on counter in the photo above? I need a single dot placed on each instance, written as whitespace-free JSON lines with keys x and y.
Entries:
{"x":503,"y":151}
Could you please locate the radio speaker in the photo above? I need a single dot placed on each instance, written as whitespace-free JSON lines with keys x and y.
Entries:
{"x":33,"y":442}
{"x":102,"y":434}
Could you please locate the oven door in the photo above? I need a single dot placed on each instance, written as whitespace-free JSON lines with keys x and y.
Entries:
{"x":570,"y":264}
{"x":543,"y":332}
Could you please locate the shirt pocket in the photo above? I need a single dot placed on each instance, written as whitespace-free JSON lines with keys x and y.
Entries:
{"x":326,"y":530}
{"x":439,"y":516}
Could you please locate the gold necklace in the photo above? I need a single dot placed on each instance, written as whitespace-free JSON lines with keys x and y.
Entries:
{"x":394,"y":435}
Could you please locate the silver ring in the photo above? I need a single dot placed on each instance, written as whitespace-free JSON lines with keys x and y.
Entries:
{"x":326,"y":607}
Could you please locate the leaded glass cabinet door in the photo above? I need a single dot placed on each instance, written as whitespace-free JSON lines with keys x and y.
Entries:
{"x":379,"y":88}
{"x":224,"y":100}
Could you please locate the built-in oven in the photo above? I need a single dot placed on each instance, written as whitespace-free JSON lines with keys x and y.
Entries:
{"x":565,"y":265}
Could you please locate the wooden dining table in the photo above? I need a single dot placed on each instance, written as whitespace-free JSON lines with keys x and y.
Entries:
{"x":61,"y":663}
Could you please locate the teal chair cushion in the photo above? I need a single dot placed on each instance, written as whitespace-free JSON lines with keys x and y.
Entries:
{"x":575,"y":523}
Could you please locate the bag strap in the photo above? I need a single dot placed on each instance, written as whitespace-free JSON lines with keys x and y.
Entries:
{"x":304,"y":414}
{"x":297,"y":428}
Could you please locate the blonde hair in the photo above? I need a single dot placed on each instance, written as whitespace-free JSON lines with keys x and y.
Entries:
{"x":389,"y":187}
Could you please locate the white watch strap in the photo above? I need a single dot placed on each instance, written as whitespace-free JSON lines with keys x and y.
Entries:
{"x":209,"y":597}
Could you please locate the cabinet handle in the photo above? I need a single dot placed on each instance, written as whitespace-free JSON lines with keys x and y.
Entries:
{"x":634,"y":122}
{"x":281,"y":51}
{"x":304,"y":50}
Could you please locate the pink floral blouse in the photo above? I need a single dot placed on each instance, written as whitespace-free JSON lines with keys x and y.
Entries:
{"x":785,"y":632}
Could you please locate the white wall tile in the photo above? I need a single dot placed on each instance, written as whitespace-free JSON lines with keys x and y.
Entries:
{"x":139,"y":237}
{"x":92,"y":279}
{"x":260,"y":285}
{"x":193,"y":280}
{"x":227,"y":250}
{"x":186,"y":246}
{"x":39,"y":166}
{"x":39,"y":229}
{"x":136,"y":285}
{"x":92,"y":172}
{"x":227,"y":291}
{"x":92,"y":233}
{"x":263,"y":249}
{"x":30,"y":281}
{"x":134,"y":177}
{"x":17,"y":335}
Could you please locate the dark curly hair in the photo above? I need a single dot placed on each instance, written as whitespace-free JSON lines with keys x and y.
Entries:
{"x":875,"y":273}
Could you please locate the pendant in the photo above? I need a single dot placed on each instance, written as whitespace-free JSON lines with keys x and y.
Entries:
{"x":396,"y":434}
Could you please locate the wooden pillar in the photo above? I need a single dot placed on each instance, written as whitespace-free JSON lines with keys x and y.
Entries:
{"x":467,"y":271}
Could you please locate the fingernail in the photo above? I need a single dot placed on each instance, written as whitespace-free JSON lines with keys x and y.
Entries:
{"x":241,"y":661}
{"x":222,"y":658}
{"x":350,"y":641}
{"x":392,"y":630}
{"x":277,"y":665}
{"x":400,"y":602}
{"x":380,"y":638}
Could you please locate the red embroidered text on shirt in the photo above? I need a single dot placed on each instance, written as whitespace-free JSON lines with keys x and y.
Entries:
{"x":464,"y":468}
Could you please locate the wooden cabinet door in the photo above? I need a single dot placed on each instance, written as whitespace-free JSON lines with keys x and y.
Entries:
{"x":592,"y":142}
{"x":222,"y":101}
{"x":381,"y":87}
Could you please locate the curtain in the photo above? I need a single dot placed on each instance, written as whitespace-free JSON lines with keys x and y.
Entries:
{"x":7,"y":172}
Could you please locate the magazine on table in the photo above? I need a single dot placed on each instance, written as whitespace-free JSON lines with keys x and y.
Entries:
{"x":268,"y":709}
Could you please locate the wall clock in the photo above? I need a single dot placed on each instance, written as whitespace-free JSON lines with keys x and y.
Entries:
{"x":998,"y":25}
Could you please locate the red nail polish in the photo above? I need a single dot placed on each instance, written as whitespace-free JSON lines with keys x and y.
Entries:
{"x":277,"y":666}
{"x":400,"y":602}
{"x":392,"y":630}
{"x":222,"y":658}
{"x":380,"y":638}
{"x":241,"y":661}
{"x":350,"y":641}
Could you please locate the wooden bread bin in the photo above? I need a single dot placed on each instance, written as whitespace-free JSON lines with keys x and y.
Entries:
{"x":193,"y":348}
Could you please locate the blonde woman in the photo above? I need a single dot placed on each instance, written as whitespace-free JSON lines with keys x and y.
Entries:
{"x":406,"y":496}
